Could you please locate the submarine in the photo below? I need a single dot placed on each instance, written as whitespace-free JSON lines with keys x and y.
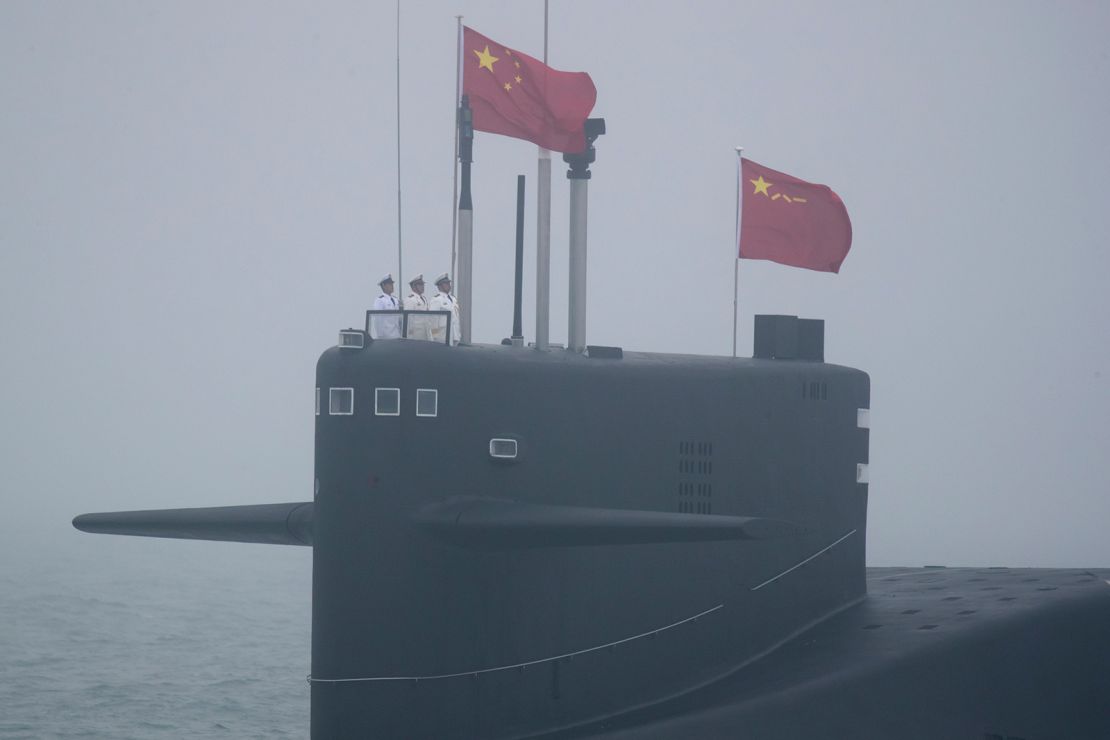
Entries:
{"x":524,"y":542}
{"x":510,"y":543}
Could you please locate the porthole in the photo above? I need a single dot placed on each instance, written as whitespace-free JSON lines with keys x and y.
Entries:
{"x":427,"y":402}
{"x":341,"y":401}
{"x":387,"y":401}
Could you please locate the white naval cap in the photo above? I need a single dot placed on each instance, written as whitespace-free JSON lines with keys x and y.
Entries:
{"x":387,"y":279}
{"x":418,"y":279}
{"x":442,"y":278}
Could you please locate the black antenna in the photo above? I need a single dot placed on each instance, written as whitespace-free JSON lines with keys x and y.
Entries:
{"x":466,"y":151}
{"x":518,"y":332}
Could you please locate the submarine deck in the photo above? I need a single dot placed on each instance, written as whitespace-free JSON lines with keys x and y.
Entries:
{"x":976,"y":653}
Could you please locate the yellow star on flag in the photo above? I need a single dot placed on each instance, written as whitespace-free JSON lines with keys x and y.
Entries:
{"x":518,"y":79}
{"x":508,"y":87}
{"x":485,"y":59}
{"x":761,"y":186}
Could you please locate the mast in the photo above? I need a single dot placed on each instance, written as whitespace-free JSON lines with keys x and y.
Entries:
{"x":400,"y":265}
{"x":455,"y":158}
{"x":579,"y":175}
{"x":464,"y":280}
{"x":543,"y":230}
{"x":518,"y":278}
{"x":736,"y":246}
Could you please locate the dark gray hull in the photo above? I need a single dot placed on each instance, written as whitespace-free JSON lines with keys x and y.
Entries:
{"x":982,"y":654}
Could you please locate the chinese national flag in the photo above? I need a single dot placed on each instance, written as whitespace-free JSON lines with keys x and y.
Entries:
{"x":515,"y":95}
{"x":791,"y":221}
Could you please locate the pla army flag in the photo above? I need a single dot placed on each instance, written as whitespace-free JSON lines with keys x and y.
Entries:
{"x":515,"y":95}
{"x":791,"y":221}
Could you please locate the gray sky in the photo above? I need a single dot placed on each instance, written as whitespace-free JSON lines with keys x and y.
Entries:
{"x":195,"y":197}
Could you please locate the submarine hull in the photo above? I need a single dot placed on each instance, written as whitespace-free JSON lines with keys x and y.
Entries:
{"x":982,"y":653}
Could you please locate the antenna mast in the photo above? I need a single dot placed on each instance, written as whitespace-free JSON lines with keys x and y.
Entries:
{"x":543,"y":230}
{"x":455,"y":133}
{"x":579,"y":176}
{"x":736,"y":245}
{"x":400,"y":266}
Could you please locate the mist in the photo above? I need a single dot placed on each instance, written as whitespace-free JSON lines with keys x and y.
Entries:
{"x":195,"y":198}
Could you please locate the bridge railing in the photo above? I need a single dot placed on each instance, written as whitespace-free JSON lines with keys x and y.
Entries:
{"x":425,"y":326}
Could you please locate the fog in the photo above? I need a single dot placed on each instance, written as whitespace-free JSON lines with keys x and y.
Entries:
{"x":195,"y":198}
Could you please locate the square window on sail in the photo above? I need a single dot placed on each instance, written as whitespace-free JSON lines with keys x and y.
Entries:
{"x":387,"y":401}
{"x":427,"y":402}
{"x":341,"y":401}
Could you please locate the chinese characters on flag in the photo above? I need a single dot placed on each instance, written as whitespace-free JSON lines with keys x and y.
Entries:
{"x":791,"y":221}
{"x":515,"y":95}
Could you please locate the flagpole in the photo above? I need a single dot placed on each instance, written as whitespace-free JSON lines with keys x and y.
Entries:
{"x":455,"y":133}
{"x":736,"y":248}
{"x":543,"y":230}
{"x":400,"y":267}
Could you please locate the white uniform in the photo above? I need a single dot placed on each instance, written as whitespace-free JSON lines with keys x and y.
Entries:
{"x":416,"y":302}
{"x":445,"y":302}
{"x":418,"y":325}
{"x":386,"y":327}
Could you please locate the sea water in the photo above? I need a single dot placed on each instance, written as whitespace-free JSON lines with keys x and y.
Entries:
{"x":155,"y":639}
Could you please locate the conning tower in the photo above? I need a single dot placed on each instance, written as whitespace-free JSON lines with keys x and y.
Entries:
{"x":510,"y":541}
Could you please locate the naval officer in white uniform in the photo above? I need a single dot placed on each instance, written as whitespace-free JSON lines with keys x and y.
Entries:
{"x":387,"y":327}
{"x":418,"y":327}
{"x":444,"y":301}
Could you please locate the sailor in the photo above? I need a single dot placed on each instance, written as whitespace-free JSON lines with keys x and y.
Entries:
{"x":387,"y":327}
{"x":444,"y":301}
{"x":418,"y":327}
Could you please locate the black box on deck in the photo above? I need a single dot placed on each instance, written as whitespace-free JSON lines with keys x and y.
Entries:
{"x":811,"y":340}
{"x":789,"y":338}
{"x":776,"y":337}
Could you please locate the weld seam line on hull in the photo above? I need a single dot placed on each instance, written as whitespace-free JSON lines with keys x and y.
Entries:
{"x":799,"y":565}
{"x":520,"y":665}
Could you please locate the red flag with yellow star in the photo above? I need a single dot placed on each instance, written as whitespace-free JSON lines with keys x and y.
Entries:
{"x":515,"y":95}
{"x":791,"y":221}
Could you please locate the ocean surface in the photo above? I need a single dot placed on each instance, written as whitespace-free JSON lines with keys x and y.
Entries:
{"x":139,"y":638}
